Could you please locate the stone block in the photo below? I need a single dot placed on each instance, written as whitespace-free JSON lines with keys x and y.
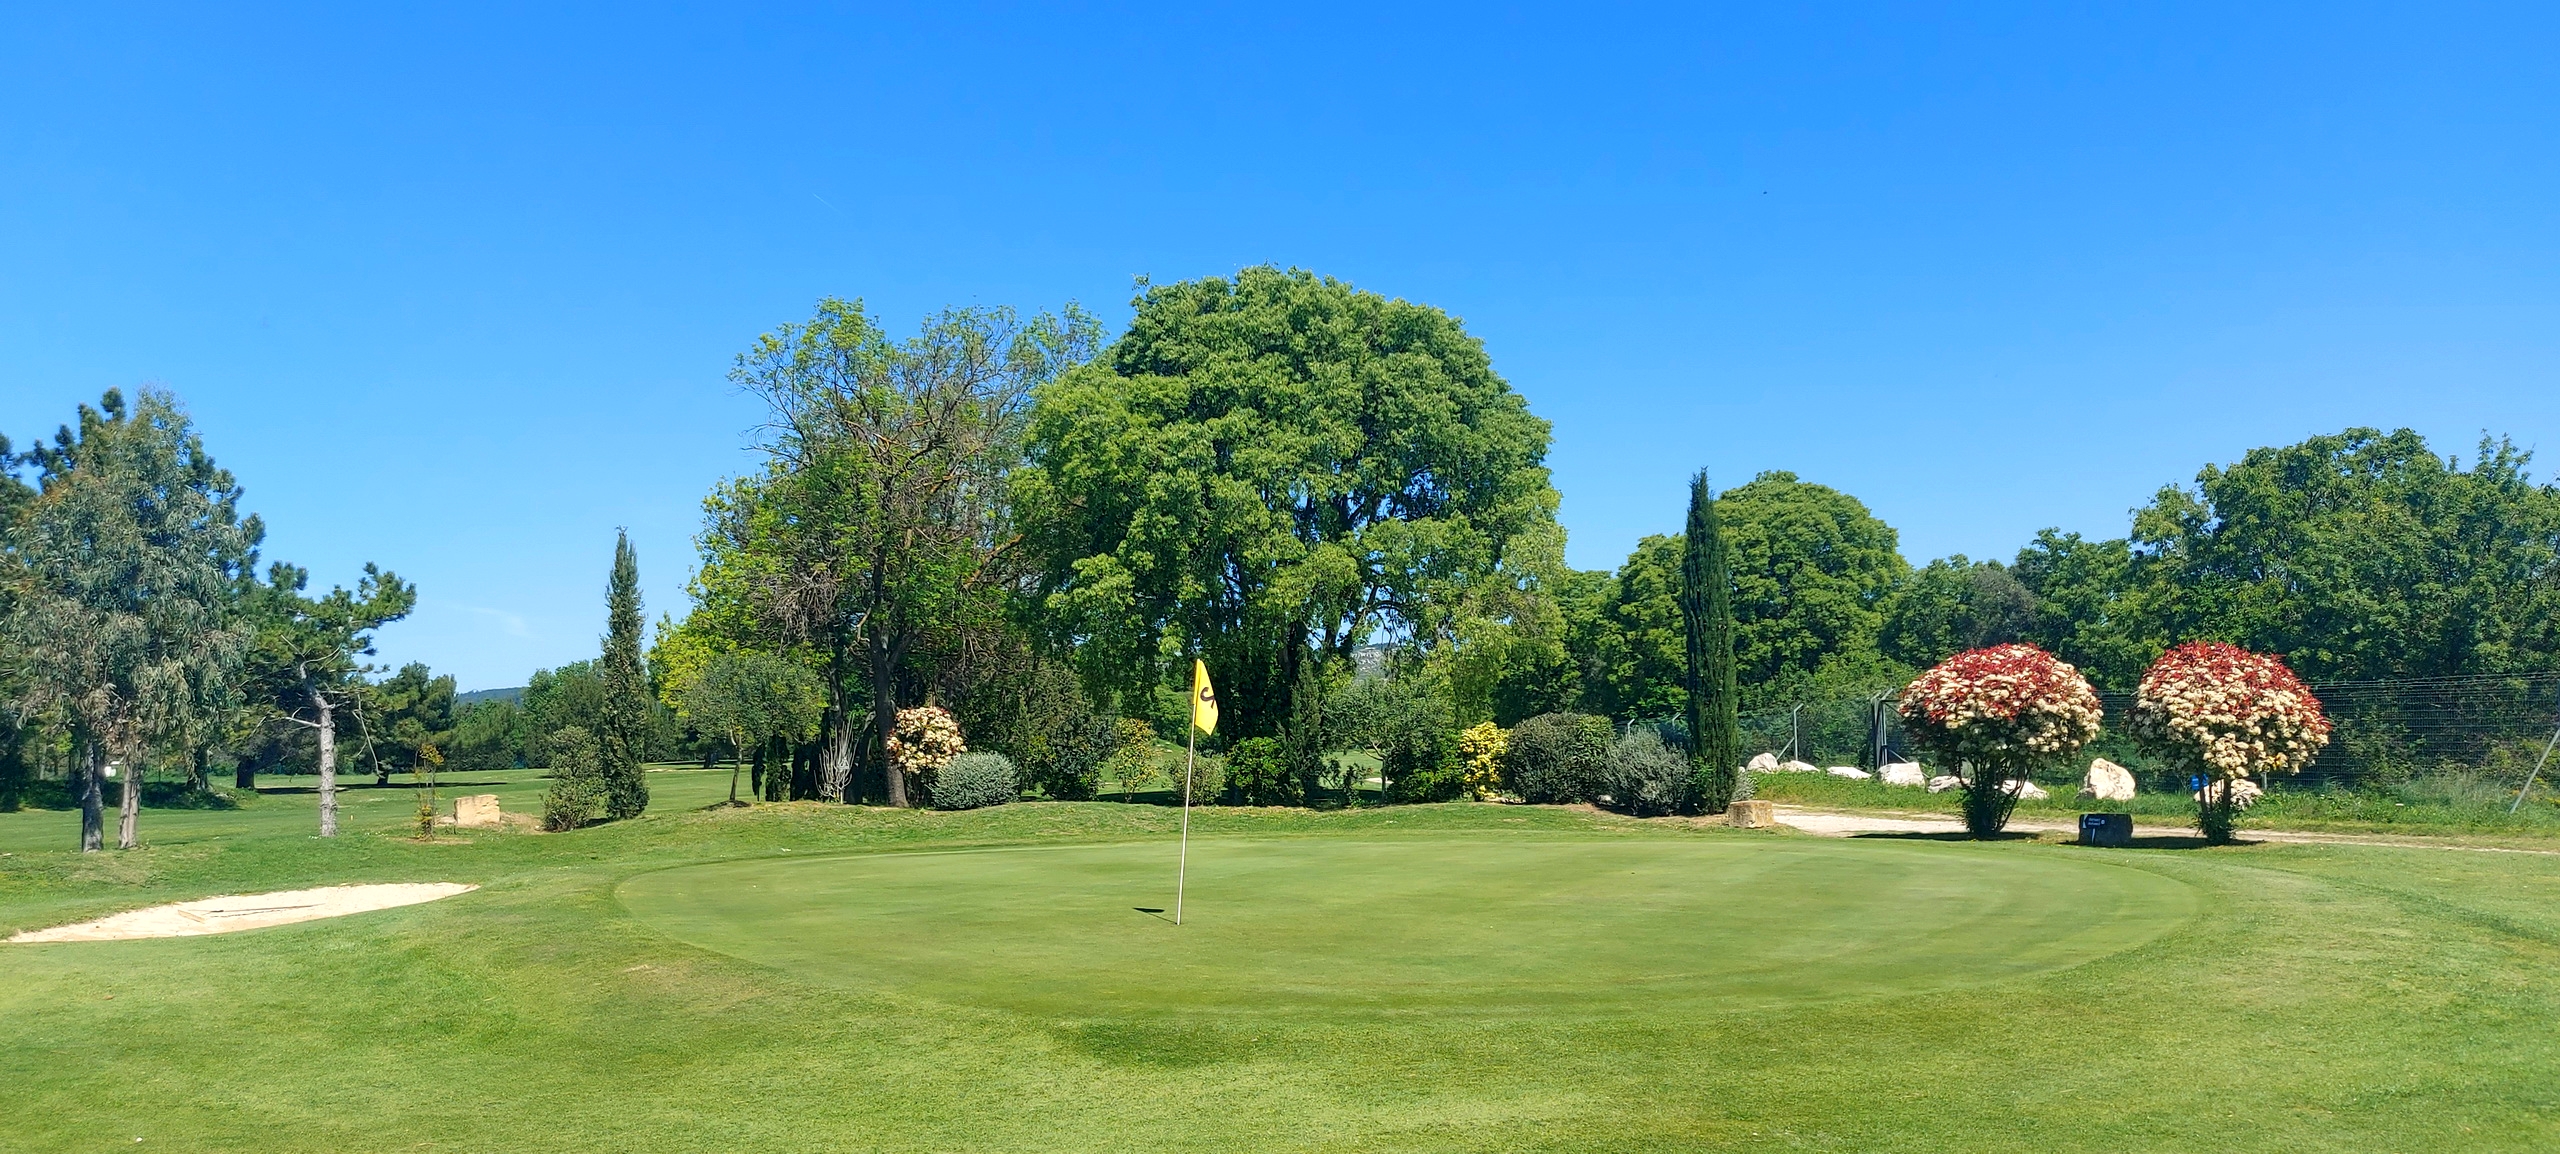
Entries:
{"x":478,"y":811}
{"x":1751,"y":814}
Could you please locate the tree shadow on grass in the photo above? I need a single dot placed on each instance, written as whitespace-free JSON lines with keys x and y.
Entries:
{"x":2149,"y":841}
{"x":352,"y":787}
{"x":1905,"y":835}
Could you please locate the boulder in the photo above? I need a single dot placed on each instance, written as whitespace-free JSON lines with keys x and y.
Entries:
{"x":1848,"y":771}
{"x":1944,"y":783}
{"x":2025,"y":790}
{"x":2244,"y":792}
{"x":1763,"y":763}
{"x":478,"y":811}
{"x":2107,"y":781}
{"x":1799,"y":767}
{"x":1904,"y":773}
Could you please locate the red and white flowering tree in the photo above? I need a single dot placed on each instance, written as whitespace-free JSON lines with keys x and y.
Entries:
{"x":1998,"y":713}
{"x":2229,"y":713}
{"x":927,"y":738}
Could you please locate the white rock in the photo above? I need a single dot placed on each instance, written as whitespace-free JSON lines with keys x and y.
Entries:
{"x":2244,"y":792}
{"x":1943,"y":784}
{"x":2026,"y":790}
{"x":1850,"y":771}
{"x":2107,"y":781}
{"x":1799,"y":767}
{"x":1904,"y":773}
{"x":1763,"y":762}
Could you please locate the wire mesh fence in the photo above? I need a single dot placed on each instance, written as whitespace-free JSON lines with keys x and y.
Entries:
{"x":2492,"y":727}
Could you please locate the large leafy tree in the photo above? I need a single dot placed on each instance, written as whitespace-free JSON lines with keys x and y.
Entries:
{"x":623,"y":740}
{"x":1812,"y":570}
{"x":1954,"y":604}
{"x":125,"y":566}
{"x":877,"y":535}
{"x":306,"y":658}
{"x":1271,"y":469}
{"x":2356,"y":555}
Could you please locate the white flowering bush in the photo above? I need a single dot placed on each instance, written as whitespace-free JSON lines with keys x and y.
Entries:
{"x":927,"y":738}
{"x":2229,"y":713}
{"x":1997,"y":713}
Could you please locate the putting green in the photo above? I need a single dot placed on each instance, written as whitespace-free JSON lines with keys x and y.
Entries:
{"x":1327,"y":925}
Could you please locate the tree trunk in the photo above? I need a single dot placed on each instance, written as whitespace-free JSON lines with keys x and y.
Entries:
{"x":328,"y":764}
{"x":737,"y":763}
{"x":884,"y":718}
{"x":200,"y":770}
{"x":129,"y":805}
{"x":244,"y":773}
{"x":93,"y":818}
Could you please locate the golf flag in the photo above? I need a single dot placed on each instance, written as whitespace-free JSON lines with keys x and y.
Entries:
{"x":1204,"y":700}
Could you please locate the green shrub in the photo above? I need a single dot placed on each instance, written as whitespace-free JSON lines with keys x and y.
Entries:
{"x":1646,"y":776}
{"x":1559,"y":758}
{"x":1132,"y":763}
{"x":1258,"y":773}
{"x":1208,"y":781}
{"x":577,"y":780}
{"x":1418,"y":752}
{"x":976,"y":781}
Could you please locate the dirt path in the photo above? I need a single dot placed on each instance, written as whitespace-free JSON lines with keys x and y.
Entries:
{"x":1834,"y":824}
{"x":236,"y":912}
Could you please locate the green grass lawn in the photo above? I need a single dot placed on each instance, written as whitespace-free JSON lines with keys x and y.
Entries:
{"x":2445,"y":804}
{"x":1465,"y":977}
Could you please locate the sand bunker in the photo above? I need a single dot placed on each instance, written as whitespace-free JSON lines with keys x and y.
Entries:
{"x":238,"y":912}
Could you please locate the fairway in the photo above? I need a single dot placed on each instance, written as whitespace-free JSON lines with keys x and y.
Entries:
{"x":1298,"y":925}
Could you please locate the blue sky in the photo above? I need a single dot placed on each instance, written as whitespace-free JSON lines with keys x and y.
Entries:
{"x":454,"y":290}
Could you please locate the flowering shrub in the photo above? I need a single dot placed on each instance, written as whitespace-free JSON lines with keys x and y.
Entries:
{"x":928,"y":737}
{"x":2006,"y":705}
{"x":1997,"y":712}
{"x":2229,"y":713}
{"x":1480,"y":751}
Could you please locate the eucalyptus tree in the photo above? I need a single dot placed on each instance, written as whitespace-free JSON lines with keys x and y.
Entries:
{"x":305,"y":661}
{"x":126,"y":565}
{"x":879,"y":522}
{"x":1276,"y":469}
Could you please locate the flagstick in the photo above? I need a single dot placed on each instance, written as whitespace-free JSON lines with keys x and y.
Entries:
{"x":1182,"y":864}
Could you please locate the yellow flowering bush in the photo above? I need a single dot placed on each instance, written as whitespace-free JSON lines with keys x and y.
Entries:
{"x":1480,"y":750}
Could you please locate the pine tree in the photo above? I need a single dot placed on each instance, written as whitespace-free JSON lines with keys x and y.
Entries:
{"x":626,"y":690}
{"x":1706,"y":606}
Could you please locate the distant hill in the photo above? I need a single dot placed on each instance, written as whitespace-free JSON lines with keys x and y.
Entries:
{"x":515,"y":695}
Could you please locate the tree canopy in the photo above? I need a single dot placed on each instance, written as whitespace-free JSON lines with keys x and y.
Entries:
{"x":1272,"y":468}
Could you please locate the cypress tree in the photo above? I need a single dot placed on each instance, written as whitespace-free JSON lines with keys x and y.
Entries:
{"x":626,"y":690}
{"x":1706,"y":606}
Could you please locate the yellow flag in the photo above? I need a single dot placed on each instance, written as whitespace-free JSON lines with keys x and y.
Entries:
{"x":1204,"y":700}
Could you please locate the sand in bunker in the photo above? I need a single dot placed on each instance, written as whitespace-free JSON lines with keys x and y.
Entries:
{"x":237,"y":912}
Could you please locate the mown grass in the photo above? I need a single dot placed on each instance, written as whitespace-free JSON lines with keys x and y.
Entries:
{"x":2317,"y":998}
{"x":2432,"y":805}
